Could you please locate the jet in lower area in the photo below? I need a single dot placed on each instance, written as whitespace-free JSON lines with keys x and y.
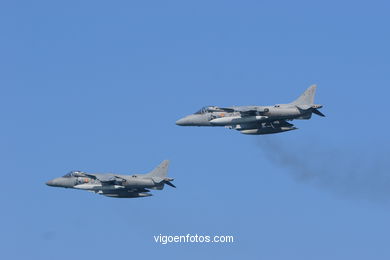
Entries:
{"x":256,"y":120}
{"x":116,"y":185}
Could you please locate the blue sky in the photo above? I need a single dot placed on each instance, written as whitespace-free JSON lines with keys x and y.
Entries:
{"x":97,"y":86}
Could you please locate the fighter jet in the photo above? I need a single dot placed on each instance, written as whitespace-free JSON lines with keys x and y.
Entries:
{"x":116,"y":185}
{"x":256,"y":120}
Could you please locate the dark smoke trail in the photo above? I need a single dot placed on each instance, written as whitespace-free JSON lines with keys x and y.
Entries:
{"x":356,"y":172}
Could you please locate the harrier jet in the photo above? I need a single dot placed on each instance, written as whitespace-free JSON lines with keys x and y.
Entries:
{"x":116,"y":185}
{"x":256,"y":120}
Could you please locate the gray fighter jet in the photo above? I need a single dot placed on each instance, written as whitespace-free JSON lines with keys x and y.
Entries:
{"x":256,"y":120}
{"x":116,"y":185}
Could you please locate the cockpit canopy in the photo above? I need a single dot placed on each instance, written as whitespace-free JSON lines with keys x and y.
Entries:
{"x":206,"y":109}
{"x":73,"y":174}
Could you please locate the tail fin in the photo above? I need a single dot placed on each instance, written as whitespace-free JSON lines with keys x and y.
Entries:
{"x":307,"y":98}
{"x":160,"y":171}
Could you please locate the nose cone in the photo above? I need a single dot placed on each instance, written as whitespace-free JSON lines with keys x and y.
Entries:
{"x":50,"y":183}
{"x":194,"y":120}
{"x":183,"y":121}
{"x":62,"y":182}
{"x":55,"y":183}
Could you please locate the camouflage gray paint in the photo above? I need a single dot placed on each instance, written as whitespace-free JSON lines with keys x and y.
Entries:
{"x":256,"y":120}
{"x":116,"y":185}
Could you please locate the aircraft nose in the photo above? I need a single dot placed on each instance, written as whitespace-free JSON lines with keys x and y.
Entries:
{"x":190,"y":120}
{"x":50,"y":183}
{"x":58,"y":182}
{"x":193,"y":120}
{"x":182,"y":121}
{"x":62,"y":182}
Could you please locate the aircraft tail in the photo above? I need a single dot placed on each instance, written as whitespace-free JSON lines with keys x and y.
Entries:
{"x":160,"y":171}
{"x":159,"y":176}
{"x":307,"y":98}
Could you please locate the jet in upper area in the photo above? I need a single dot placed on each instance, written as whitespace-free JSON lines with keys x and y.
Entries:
{"x":256,"y":120}
{"x":116,"y":185}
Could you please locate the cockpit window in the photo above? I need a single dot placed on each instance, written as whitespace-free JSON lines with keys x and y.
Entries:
{"x":71,"y":174}
{"x":203,"y":110}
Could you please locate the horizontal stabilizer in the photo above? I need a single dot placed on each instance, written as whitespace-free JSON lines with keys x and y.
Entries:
{"x":163,"y":181}
{"x":170,"y":184}
{"x":318,"y":112}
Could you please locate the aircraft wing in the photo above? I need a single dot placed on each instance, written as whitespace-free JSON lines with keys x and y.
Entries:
{"x":243,"y":110}
{"x":246,"y":110}
{"x":226,"y":109}
{"x":104,"y":178}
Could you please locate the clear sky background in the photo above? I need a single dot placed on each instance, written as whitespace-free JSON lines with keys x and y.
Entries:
{"x":98,"y":85}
